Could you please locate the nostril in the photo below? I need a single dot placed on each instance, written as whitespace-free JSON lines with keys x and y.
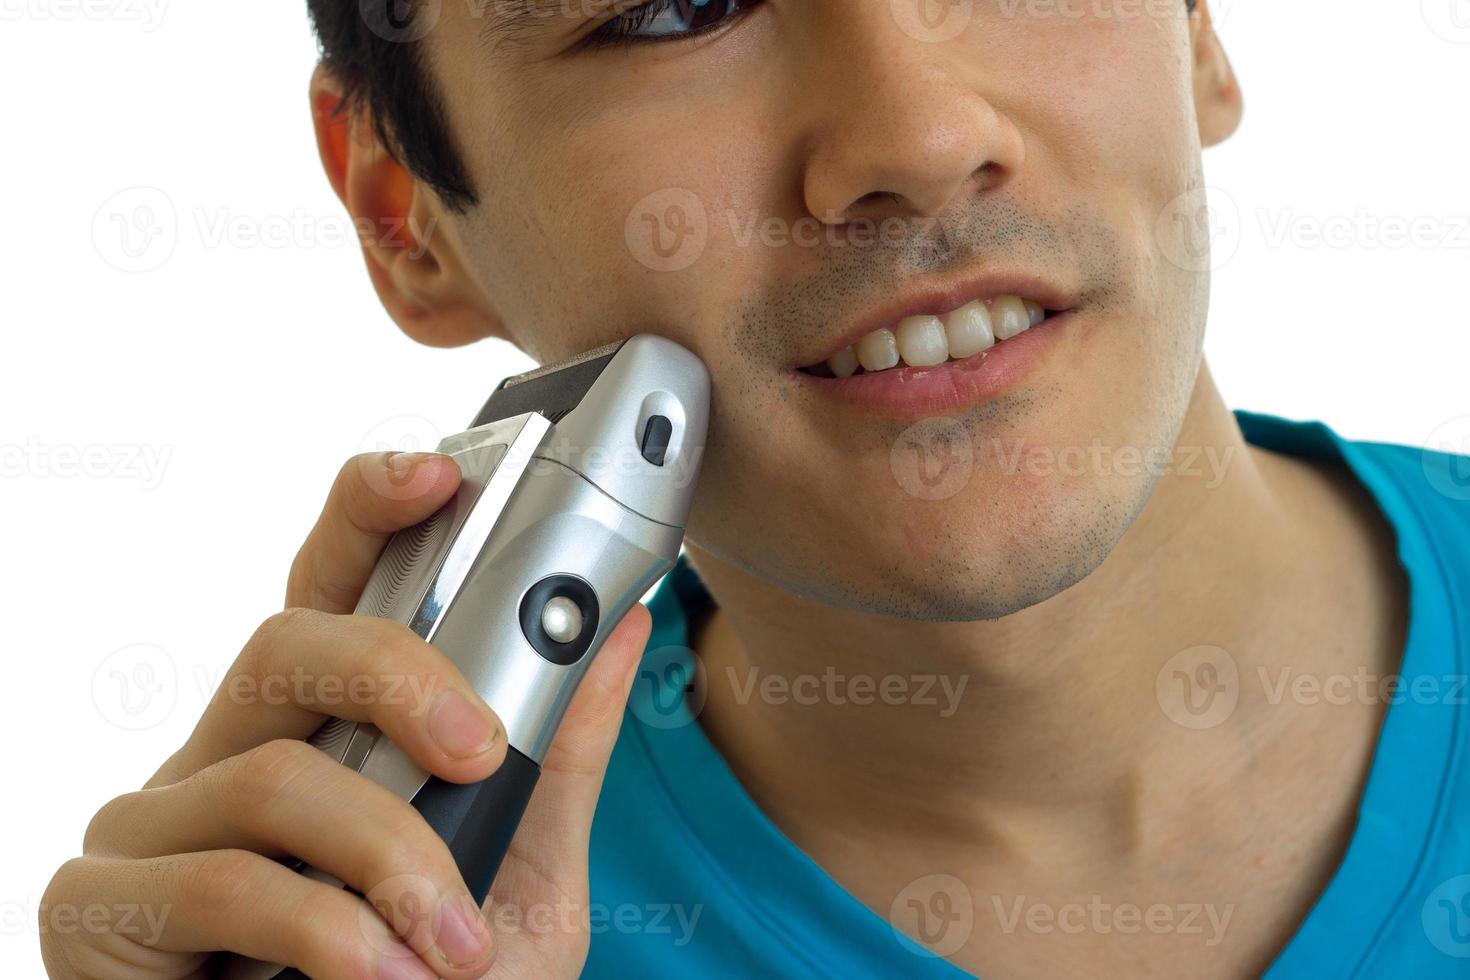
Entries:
{"x":880,"y":197}
{"x":987,"y":175}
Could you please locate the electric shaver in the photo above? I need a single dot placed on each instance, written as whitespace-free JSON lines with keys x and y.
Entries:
{"x":577,"y":484}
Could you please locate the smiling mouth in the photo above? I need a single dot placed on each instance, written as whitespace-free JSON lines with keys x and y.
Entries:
{"x":929,"y":340}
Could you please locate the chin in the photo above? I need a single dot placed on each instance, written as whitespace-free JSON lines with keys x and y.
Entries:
{"x":953,"y":564}
{"x":965,"y":585}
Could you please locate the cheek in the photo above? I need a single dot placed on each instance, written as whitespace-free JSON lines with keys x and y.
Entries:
{"x":1108,"y":105}
{"x":638,"y":219}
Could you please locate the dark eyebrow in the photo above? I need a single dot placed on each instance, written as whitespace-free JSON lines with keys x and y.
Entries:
{"x":506,"y":21}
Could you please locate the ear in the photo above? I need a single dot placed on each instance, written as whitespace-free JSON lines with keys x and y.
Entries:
{"x":1217,"y":99}
{"x":414,"y":257}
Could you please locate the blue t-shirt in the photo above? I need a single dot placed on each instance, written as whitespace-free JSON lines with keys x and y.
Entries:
{"x":691,"y":879}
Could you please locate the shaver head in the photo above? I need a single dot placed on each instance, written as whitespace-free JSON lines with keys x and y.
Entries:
{"x":557,"y":527}
{"x":630,"y":418}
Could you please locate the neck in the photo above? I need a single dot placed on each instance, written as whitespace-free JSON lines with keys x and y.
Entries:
{"x":1051,"y":716}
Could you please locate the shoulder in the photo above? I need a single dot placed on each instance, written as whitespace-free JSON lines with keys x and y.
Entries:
{"x":1432,"y":481}
{"x":1423,"y":491}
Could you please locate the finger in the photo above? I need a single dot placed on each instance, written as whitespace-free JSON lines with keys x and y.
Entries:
{"x":287,"y":798}
{"x":374,"y":495}
{"x":550,"y":846}
{"x":302,"y":665}
{"x":223,"y":900}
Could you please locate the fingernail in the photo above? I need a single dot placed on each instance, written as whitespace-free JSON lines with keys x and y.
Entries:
{"x":460,"y":728}
{"x":401,"y":963}
{"x":463,"y":937}
{"x":403,"y":464}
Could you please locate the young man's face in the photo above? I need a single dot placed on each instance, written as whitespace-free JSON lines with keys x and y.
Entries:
{"x":814,"y":169}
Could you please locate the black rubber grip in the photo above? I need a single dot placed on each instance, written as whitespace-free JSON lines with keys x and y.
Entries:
{"x":476,"y":820}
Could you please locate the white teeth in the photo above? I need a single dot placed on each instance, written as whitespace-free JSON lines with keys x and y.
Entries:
{"x":921,"y":341}
{"x":844,"y":363}
{"x":968,"y":330}
{"x":928,"y":341}
{"x":878,"y":351}
{"x":1009,"y":316}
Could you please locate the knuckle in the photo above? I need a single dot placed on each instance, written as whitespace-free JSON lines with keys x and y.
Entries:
{"x":390,"y":862}
{"x":268,"y":637}
{"x":350,"y":475}
{"x":59,"y":950}
{"x":262,"y":775}
{"x":406,"y":855}
{"x":68,"y":879}
{"x":392,"y":657}
{"x":392,"y":643}
{"x":315,"y":933}
{"x":102,"y":829}
{"x":301,"y":568}
{"x":223,"y":880}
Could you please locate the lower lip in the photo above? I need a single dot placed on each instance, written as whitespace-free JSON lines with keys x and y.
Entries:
{"x":920,"y":392}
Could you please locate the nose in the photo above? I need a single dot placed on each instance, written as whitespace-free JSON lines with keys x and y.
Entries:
{"x":900,"y":125}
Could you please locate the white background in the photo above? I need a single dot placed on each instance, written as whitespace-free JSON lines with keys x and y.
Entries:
{"x":254,"y":358}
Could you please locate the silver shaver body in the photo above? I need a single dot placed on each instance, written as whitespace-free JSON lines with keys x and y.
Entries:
{"x":577,"y":483}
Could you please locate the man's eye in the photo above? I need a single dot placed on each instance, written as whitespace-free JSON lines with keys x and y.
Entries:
{"x":667,"y":20}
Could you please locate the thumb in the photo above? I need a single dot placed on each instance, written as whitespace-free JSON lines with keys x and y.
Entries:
{"x":551,"y":842}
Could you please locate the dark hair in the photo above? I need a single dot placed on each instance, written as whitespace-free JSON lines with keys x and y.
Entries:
{"x":374,"y":54}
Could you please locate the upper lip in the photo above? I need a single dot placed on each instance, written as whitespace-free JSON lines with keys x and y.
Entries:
{"x":938,"y":297}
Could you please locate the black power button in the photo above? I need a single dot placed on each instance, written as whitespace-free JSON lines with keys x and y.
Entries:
{"x":656,"y":433}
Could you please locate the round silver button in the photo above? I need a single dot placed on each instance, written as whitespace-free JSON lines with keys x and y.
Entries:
{"x":561,"y":619}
